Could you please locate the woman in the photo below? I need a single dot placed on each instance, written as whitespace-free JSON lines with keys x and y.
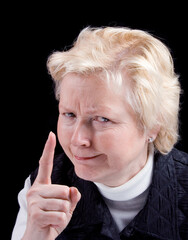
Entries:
{"x":119,"y":176}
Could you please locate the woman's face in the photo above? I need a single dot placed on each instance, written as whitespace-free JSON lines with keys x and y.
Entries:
{"x":98,"y":131}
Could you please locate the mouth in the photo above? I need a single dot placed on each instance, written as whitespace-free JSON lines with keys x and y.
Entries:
{"x":79,"y":158}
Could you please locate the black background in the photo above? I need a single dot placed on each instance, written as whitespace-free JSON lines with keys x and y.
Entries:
{"x":30,"y":33}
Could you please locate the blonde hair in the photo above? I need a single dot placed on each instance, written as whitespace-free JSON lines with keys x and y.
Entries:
{"x":112,"y":51}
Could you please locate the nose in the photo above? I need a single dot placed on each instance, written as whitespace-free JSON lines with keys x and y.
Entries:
{"x":81,"y":135}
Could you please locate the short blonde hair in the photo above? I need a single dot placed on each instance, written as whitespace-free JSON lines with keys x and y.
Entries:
{"x":155,"y":89}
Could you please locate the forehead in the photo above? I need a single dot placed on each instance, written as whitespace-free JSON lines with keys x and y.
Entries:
{"x":91,"y":94}
{"x":73,"y":81}
{"x":90,"y":88}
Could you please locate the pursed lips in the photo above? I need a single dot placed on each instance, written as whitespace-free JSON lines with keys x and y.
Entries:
{"x":86,"y":158}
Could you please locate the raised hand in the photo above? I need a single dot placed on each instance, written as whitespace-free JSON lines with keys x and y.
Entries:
{"x":50,"y":207}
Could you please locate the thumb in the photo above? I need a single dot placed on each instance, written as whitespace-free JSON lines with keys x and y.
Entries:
{"x":75,"y":198}
{"x":46,"y":160}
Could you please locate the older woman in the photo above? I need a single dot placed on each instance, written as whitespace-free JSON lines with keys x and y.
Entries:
{"x":119,"y":176}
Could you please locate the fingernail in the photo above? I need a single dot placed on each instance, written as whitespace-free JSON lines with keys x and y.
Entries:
{"x":50,"y":133}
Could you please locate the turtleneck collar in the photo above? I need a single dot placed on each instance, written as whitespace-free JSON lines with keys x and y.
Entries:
{"x":135,"y":186}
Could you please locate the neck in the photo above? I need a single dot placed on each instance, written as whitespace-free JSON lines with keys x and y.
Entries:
{"x":135,"y":186}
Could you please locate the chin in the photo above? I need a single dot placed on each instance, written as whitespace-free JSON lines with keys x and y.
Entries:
{"x":86,"y":173}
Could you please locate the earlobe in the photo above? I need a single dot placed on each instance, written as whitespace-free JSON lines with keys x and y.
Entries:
{"x":150,"y":140}
{"x":152,"y":134}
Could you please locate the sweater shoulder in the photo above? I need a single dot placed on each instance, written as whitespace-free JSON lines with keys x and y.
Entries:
{"x":180,"y":157}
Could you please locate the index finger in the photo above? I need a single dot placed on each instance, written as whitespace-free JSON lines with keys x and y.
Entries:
{"x":46,"y":160}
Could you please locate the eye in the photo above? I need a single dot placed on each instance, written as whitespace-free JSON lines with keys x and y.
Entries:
{"x":102,"y":119}
{"x":69,"y":115}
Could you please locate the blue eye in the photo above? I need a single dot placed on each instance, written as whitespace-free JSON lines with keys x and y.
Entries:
{"x":69,"y":115}
{"x":102,"y":119}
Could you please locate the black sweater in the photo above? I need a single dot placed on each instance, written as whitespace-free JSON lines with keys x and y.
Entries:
{"x":164,"y":216}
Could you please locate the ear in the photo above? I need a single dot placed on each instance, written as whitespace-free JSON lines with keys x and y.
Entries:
{"x":152,"y":133}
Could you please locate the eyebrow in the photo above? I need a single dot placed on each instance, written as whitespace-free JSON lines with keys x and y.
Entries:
{"x":93,"y":110}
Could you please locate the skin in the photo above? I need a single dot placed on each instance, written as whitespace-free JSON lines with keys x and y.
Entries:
{"x":99,"y":133}
{"x":49,"y":206}
{"x":95,"y":121}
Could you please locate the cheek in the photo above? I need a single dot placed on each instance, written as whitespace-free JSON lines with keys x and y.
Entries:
{"x":120,"y":142}
{"x":110,"y":143}
{"x":63,"y":135}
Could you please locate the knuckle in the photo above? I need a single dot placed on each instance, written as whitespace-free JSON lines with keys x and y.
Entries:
{"x":35,"y":214}
{"x":65,"y":206}
{"x":65,"y":191}
{"x":32,"y":192}
{"x":62,"y":217}
{"x":32,"y":203}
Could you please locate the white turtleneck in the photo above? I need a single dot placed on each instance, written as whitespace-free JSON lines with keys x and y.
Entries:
{"x":125,"y":201}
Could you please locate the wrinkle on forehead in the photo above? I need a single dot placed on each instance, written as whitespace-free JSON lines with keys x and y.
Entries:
{"x":90,"y":94}
{"x":97,"y":82}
